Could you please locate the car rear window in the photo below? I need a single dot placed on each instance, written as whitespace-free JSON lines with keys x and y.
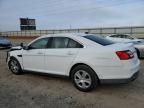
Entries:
{"x":98,"y":39}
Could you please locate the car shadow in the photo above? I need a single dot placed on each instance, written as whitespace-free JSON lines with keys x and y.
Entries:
{"x":46,"y":75}
{"x":100,"y":87}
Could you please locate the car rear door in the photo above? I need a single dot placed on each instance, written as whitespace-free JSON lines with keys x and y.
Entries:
{"x":60,"y":55}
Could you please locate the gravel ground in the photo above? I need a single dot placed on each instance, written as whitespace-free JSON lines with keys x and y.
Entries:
{"x":37,"y":91}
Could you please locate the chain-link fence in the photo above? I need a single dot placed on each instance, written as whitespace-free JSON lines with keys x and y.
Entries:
{"x":134,"y":31}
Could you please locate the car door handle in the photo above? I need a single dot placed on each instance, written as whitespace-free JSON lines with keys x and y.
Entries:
{"x":40,"y":53}
{"x":70,"y":53}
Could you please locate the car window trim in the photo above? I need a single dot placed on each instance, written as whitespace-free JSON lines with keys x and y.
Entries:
{"x":38,"y":40}
{"x":49,"y":43}
{"x":75,"y":41}
{"x":51,"y":40}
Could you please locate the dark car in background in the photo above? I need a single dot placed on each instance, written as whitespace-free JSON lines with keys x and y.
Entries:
{"x":5,"y":43}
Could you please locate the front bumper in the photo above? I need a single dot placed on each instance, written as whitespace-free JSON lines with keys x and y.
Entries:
{"x":119,"y":81}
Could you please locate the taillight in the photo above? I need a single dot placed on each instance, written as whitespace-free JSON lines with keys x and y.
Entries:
{"x":125,"y":55}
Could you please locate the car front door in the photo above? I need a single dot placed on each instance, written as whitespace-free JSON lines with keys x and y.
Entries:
{"x":60,"y":55}
{"x":33,"y":56}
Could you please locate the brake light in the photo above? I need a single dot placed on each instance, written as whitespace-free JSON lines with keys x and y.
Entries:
{"x":125,"y":55}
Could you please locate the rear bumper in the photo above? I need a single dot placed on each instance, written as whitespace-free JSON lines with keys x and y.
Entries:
{"x":119,"y":81}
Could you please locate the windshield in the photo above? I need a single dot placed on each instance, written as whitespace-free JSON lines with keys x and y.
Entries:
{"x":98,"y":39}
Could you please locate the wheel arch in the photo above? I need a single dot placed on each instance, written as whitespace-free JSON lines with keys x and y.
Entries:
{"x":77,"y":64}
{"x":12,"y":57}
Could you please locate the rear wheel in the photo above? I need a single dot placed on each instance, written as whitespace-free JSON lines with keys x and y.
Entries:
{"x":14,"y":66}
{"x":84,"y":78}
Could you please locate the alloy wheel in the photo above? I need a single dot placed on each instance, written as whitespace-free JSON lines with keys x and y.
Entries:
{"x":82,"y":79}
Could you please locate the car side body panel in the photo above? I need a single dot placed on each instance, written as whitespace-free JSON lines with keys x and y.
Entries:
{"x":102,"y":59}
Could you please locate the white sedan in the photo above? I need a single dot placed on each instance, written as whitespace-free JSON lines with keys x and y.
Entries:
{"x":87,"y":59}
{"x":138,"y":43}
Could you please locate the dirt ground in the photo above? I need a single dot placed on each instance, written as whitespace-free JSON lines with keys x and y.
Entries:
{"x":38,"y":91}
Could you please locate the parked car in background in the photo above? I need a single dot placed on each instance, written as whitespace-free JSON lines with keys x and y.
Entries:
{"x":5,"y":43}
{"x":138,"y":43}
{"x":86,"y":58}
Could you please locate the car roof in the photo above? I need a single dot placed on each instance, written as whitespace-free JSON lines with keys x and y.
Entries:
{"x":76,"y":36}
{"x":65,"y":35}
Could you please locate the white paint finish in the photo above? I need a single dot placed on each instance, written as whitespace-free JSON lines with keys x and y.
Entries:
{"x":102,"y":59}
{"x":58,"y":60}
{"x":33,"y":59}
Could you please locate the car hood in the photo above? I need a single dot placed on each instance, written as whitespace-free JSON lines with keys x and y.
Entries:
{"x":16,"y":48}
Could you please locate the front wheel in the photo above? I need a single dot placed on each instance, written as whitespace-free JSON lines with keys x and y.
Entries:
{"x":84,"y":78}
{"x":14,"y":66}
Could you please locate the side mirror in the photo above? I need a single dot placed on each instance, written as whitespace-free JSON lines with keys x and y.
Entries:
{"x":25,"y":47}
{"x":21,"y":44}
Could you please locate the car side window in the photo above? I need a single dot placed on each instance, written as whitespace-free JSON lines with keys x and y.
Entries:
{"x":59,"y":42}
{"x":74,"y":44}
{"x":113,"y":36}
{"x":129,"y":37}
{"x":123,"y":36}
{"x":39,"y":44}
{"x":64,"y":42}
{"x":119,"y":36}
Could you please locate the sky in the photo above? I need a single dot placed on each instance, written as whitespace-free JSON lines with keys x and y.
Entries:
{"x":65,"y":14}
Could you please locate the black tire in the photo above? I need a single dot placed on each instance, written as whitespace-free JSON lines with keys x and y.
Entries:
{"x":138,"y":53}
{"x":90,"y":76}
{"x":14,"y":66}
